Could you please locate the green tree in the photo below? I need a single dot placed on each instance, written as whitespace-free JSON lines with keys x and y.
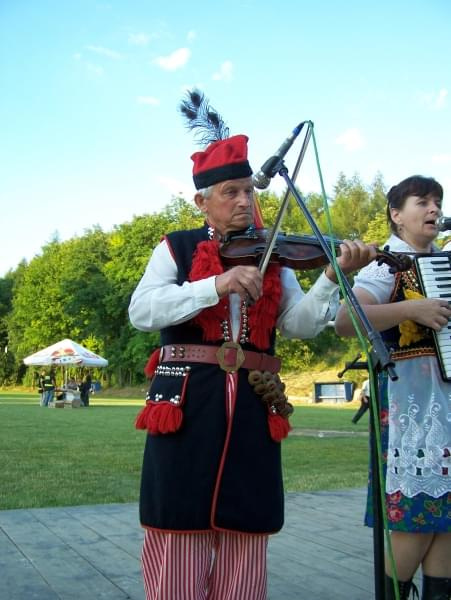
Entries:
{"x":350,"y":209}
{"x":6,"y":356}
{"x":83,"y":288}
{"x":378,"y":230}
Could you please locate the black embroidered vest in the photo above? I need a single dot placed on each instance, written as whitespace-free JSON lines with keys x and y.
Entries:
{"x":407,"y":280}
{"x":215,"y":472}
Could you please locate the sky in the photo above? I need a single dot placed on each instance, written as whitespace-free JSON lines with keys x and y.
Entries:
{"x":91,"y":134}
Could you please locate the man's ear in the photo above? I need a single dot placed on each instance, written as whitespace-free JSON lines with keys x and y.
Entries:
{"x":200,"y":202}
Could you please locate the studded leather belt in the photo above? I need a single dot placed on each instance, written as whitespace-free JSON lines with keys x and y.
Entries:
{"x":230,"y":356}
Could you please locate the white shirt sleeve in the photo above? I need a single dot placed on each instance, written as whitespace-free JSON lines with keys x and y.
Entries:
{"x":158,"y":301}
{"x":377,"y":280}
{"x":305,"y":314}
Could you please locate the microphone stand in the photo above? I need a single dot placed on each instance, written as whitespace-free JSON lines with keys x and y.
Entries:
{"x":379,"y":361}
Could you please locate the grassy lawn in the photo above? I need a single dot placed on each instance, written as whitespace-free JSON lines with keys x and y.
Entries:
{"x":63,"y":457}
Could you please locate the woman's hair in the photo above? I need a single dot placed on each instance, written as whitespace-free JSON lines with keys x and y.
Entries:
{"x":417,"y":185}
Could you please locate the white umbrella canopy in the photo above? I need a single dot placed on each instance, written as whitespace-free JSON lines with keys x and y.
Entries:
{"x":63,"y":353}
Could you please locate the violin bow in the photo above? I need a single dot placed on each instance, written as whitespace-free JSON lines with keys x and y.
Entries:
{"x":272,"y":237}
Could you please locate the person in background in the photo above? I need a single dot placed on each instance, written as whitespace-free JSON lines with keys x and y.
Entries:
{"x":364,"y":397}
{"x":72,"y":384}
{"x":416,"y":409}
{"x":365,"y":392}
{"x":49,"y":386}
{"x":41,"y":377}
{"x":216,"y":412}
{"x":85,"y":389}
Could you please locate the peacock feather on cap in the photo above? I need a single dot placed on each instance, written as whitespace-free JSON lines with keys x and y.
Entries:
{"x":201,"y":118}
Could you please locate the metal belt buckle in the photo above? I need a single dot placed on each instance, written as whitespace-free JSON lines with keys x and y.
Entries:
{"x":239,"y":360}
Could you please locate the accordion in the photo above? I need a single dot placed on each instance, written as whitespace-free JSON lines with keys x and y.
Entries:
{"x":434,"y":275}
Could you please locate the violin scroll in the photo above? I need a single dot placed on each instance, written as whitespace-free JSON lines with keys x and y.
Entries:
{"x":397,"y":261}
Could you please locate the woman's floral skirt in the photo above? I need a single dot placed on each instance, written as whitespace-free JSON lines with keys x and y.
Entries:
{"x":420,"y":514}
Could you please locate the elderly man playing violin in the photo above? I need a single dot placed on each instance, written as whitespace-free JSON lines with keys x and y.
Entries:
{"x":216,"y":412}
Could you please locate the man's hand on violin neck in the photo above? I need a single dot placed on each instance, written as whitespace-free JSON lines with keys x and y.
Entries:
{"x":244,"y":280}
{"x":353,"y":255}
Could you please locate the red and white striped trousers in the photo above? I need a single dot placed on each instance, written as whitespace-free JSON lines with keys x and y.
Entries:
{"x":204,"y":566}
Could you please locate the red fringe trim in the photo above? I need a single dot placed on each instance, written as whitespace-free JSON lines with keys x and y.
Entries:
{"x":206,"y":262}
{"x":279,"y":427}
{"x":143,"y":415}
{"x":160,"y":418}
{"x":164,"y":418}
{"x":262,"y":315}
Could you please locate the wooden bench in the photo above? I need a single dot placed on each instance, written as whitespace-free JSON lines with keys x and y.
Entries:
{"x":333,"y":391}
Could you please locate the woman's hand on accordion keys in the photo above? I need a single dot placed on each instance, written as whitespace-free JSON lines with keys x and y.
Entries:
{"x":430,"y":312}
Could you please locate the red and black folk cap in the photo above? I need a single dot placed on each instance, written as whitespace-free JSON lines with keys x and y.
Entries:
{"x":220,"y":161}
{"x":222,"y":157}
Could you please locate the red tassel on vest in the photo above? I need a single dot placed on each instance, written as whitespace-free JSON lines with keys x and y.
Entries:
{"x":206,"y":262}
{"x":143,"y":415}
{"x":141,"y":421}
{"x":279,"y":427}
{"x":164,"y":417}
{"x":161,"y":416}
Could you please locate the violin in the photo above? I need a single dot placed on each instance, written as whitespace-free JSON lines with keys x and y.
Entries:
{"x":299,"y":252}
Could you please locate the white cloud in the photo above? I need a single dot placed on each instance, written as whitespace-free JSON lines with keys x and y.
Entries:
{"x":225,"y":72}
{"x":191,"y":35}
{"x":139,"y":39}
{"x":351,"y":140}
{"x":148,"y":100}
{"x":76,"y":56}
{"x":104,"y":52}
{"x":442,"y":159}
{"x":175,"y":60}
{"x":433,"y":100}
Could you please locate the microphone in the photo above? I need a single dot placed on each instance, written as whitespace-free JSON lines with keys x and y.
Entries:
{"x":262,"y":179}
{"x":443,"y":223}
